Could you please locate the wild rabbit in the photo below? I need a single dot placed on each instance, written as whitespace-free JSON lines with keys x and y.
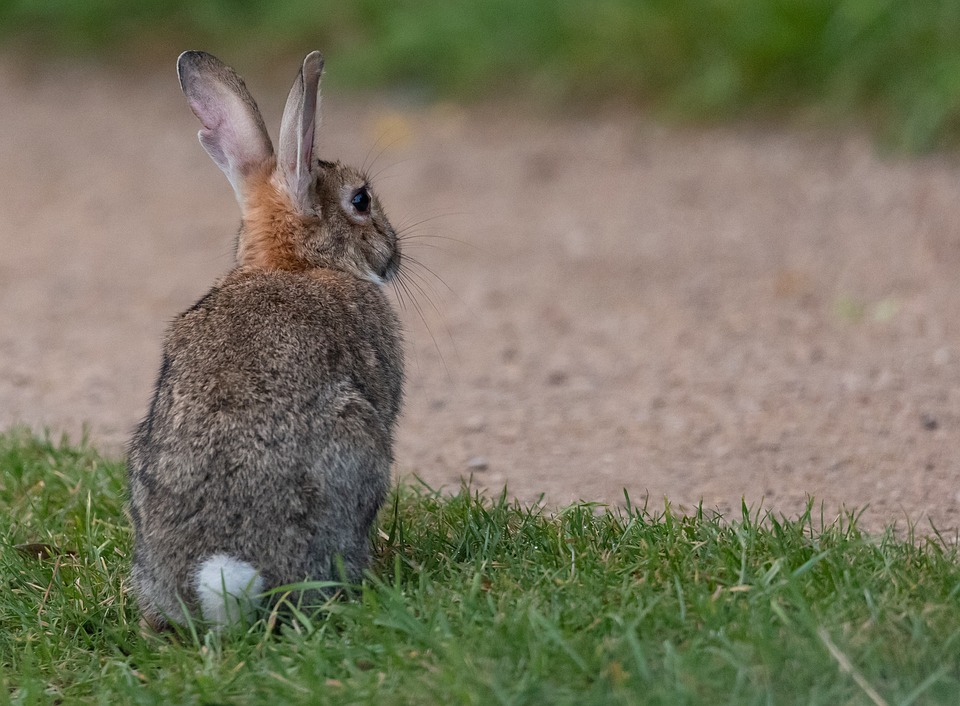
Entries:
{"x":266,"y":451}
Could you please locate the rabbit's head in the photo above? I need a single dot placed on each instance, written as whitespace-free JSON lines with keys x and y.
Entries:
{"x":299,"y":212}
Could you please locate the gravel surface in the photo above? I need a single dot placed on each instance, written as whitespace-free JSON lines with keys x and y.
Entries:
{"x":705,"y":314}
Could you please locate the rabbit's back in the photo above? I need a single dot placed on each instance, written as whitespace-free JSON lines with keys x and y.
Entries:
{"x":269,"y":437}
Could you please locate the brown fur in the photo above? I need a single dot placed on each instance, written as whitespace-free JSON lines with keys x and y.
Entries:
{"x":269,"y":438}
{"x":270,"y":227}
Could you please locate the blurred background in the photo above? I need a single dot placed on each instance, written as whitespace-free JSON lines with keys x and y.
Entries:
{"x":701,"y":250}
{"x":893,"y":66}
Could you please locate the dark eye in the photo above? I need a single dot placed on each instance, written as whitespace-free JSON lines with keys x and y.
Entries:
{"x":361,"y":201}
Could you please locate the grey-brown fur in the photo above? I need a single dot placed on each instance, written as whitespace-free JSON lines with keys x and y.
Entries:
{"x":269,"y":437}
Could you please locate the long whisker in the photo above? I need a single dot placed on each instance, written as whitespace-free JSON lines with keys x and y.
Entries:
{"x":433,"y":246}
{"x":402,"y":290}
{"x":438,"y":277}
{"x":402,"y":277}
{"x":400,"y":299}
{"x":404,"y":225}
{"x":371,"y":148}
{"x":410,"y":240}
{"x":383,"y":134}
{"x":379,"y":179}
{"x":376,"y":175}
{"x":409,"y":275}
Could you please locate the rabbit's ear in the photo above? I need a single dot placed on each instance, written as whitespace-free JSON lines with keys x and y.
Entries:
{"x":298,"y":131}
{"x":233,"y":132}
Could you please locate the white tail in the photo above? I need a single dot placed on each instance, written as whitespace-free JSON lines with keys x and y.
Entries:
{"x":228,"y":589}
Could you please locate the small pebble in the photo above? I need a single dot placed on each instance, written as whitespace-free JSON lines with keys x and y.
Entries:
{"x":478,"y":463}
{"x":475,"y":424}
{"x":929,"y":422}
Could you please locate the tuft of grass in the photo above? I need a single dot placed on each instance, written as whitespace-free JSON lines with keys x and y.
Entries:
{"x":478,"y":600}
{"x":894,"y":66}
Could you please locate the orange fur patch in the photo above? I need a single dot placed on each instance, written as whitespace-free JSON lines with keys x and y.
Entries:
{"x":270,"y":227}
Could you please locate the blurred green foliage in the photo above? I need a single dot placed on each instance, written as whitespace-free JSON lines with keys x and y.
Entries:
{"x":894,"y":66}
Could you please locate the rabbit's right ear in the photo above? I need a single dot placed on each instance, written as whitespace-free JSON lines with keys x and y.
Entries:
{"x":233,"y":132}
{"x":298,"y":132}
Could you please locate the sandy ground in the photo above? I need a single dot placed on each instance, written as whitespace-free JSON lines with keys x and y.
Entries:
{"x":708,"y":314}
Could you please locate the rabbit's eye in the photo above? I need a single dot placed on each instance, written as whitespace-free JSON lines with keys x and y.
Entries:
{"x":361,"y":201}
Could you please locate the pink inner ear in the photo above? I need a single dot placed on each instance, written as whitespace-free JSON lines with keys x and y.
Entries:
{"x":214,"y":135}
{"x":209,"y":116}
{"x":297,"y":130}
{"x":310,"y":75}
{"x":212,"y":146}
{"x":233,"y":133}
{"x":306,"y":135}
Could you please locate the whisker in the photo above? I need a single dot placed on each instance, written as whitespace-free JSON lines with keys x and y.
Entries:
{"x":410,"y":275}
{"x":407,"y":237}
{"x":434,"y":246}
{"x":378,"y":179}
{"x":404,"y":225}
{"x":400,"y":299}
{"x":438,"y":277}
{"x":400,"y":290}
{"x":363,"y":164}
{"x":383,"y":134}
{"x":409,"y":278}
{"x":376,"y":175}
{"x":401,"y":277}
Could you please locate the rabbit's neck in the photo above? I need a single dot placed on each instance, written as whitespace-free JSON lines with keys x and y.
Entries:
{"x":270,"y":228}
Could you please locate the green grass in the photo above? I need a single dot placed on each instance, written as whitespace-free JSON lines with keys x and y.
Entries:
{"x":478,"y":600}
{"x":894,"y":66}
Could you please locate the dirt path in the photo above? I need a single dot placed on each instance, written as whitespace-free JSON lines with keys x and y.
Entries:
{"x":692,"y":314}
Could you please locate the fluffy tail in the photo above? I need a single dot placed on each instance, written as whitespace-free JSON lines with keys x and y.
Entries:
{"x":228,"y":590}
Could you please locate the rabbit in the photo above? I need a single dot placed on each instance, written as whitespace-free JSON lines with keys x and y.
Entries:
{"x":266,"y":450}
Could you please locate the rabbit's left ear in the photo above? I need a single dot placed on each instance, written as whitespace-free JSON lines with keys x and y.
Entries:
{"x":233,"y":132}
{"x":298,"y":130}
